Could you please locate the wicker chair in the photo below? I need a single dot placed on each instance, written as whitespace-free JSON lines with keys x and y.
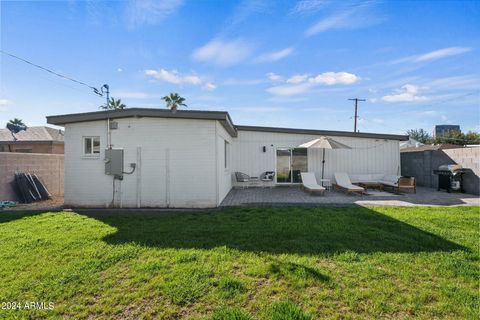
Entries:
{"x":245,"y":179}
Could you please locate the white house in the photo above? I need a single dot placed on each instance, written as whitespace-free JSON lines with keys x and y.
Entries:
{"x":186,"y":159}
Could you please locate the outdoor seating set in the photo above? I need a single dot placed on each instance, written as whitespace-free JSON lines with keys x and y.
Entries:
{"x":361,"y":183}
{"x":247,"y":181}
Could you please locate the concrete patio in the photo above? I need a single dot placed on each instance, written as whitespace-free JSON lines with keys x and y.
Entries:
{"x":293,"y":196}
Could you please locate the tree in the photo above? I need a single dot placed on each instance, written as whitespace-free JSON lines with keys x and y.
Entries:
{"x":17,"y":122}
{"x":420,"y":135}
{"x":457,"y":137}
{"x":113,"y":104}
{"x":174,"y":100}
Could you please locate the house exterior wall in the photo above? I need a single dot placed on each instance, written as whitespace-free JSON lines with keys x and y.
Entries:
{"x":176,"y":165}
{"x":366,"y":156}
{"x":224,"y":172}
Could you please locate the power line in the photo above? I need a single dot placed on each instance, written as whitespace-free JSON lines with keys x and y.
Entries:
{"x":356,"y":116}
{"x":95,"y":90}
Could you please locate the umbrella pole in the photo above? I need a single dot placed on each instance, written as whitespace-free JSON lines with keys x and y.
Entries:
{"x":323,"y":164}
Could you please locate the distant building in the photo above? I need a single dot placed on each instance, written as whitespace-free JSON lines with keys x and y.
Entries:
{"x":39,"y":139}
{"x":442,"y":129}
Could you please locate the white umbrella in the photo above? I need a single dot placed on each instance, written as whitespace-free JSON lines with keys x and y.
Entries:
{"x":324,"y":143}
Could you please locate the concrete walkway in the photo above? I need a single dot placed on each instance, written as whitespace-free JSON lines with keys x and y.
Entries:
{"x":293,"y":196}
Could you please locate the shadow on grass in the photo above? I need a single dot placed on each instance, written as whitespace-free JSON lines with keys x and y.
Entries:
{"x":7,"y":216}
{"x":275,"y":230}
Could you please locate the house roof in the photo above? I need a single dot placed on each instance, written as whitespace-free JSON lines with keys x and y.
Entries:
{"x":39,"y":134}
{"x":221,"y":116}
{"x":431,"y":147}
{"x":325,"y":132}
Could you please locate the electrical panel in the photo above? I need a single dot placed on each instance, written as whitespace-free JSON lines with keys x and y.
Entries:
{"x":114,"y":162}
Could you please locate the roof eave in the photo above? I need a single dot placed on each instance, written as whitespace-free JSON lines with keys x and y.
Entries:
{"x":221,"y":116}
{"x":325,"y":132}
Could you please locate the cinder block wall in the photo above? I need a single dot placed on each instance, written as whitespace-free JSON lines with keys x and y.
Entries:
{"x":421,"y":165}
{"x":49,"y":167}
{"x":468,"y":158}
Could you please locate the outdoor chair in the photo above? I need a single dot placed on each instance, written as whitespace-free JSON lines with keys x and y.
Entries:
{"x":267,"y":177}
{"x":245,"y":180}
{"x":309,"y":183}
{"x":342,"y":181}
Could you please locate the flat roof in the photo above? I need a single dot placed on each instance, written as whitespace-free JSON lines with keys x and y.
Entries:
{"x":325,"y":132}
{"x":222,"y":116}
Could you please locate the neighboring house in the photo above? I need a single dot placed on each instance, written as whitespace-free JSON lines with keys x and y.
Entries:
{"x":39,"y":139}
{"x":188,"y":158}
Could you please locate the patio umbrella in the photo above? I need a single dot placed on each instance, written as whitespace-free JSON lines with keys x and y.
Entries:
{"x":324,"y":143}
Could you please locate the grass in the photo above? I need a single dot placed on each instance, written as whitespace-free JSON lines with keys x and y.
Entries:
{"x":270,"y":264}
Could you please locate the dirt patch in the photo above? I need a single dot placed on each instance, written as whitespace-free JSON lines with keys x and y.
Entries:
{"x":55,"y":203}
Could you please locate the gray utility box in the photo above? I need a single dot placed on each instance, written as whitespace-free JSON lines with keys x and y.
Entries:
{"x":114,"y":162}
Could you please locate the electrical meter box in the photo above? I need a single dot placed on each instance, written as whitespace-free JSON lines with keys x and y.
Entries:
{"x":114,"y":162}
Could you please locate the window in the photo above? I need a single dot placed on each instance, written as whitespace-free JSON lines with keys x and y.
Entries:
{"x":226,"y":154}
{"x":91,"y":145}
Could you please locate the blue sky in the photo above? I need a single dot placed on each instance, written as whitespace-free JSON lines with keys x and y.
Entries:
{"x":271,"y":63}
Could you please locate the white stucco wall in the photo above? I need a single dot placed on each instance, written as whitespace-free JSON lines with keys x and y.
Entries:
{"x":224,"y":175}
{"x":177,"y":167}
{"x":366,"y":156}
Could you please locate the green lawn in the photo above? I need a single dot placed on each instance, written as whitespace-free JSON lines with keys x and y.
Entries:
{"x":287,"y":263}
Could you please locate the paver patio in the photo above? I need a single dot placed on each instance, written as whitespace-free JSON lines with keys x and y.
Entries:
{"x":294,"y":196}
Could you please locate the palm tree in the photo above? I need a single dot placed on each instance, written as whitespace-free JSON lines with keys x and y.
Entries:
{"x":113,"y":104}
{"x":173,"y":100}
{"x":17,"y":122}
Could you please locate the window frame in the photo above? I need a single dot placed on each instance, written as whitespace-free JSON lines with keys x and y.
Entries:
{"x":226,"y":154}
{"x":92,"y":146}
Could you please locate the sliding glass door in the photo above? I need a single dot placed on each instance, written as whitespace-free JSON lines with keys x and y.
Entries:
{"x":290,"y":162}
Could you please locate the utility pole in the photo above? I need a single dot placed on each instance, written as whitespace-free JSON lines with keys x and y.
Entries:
{"x":356,"y":116}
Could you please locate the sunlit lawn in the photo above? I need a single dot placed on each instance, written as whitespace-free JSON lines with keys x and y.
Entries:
{"x":244,"y":264}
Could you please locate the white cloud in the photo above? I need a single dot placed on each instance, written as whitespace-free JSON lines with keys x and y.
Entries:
{"x":131,"y":95}
{"x":150,"y":12}
{"x":301,"y":83}
{"x":119,"y":70}
{"x":337,"y":21}
{"x":287,"y":90}
{"x":352,"y":17}
{"x":274,"y":77}
{"x":4,"y":103}
{"x":442,"y":53}
{"x":408,"y":93}
{"x":209,"y":86}
{"x":433,"y":55}
{"x":308,"y":6}
{"x":173,"y":76}
{"x":247,"y":8}
{"x":297,"y":78}
{"x":433,"y":114}
{"x":274,"y":56}
{"x":223,"y":53}
{"x":331,"y":78}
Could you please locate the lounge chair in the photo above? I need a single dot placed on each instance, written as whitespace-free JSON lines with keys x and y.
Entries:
{"x":309,"y":183}
{"x":343,"y":182}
